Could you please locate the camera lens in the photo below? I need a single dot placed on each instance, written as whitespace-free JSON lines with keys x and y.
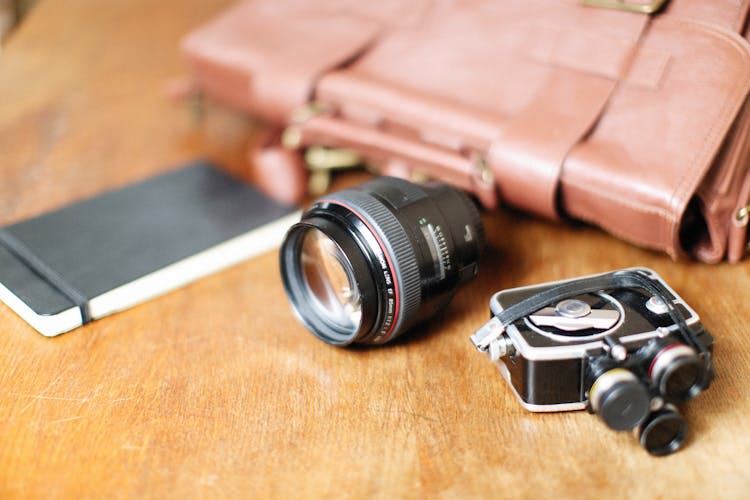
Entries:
{"x":329,"y":277}
{"x":620,"y":399}
{"x":364,"y":265}
{"x":678,"y":372}
{"x":663,"y":432}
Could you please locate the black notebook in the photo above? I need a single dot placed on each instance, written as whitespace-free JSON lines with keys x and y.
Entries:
{"x":87,"y":260}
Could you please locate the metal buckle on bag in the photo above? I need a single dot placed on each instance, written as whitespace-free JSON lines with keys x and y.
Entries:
{"x":742,"y":214}
{"x":627,"y":5}
{"x":291,"y":137}
{"x":742,"y":217}
{"x":320,"y":161}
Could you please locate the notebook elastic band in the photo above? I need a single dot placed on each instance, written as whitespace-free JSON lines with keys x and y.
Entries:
{"x":40,"y":268}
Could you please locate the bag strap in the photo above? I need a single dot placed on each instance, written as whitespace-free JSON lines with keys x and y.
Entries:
{"x":528,"y":155}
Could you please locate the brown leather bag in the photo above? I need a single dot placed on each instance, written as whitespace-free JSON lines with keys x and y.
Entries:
{"x":637,"y":122}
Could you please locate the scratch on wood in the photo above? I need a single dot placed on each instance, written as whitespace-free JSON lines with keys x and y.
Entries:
{"x":118,"y":400}
{"x":48,"y":387}
{"x":58,"y":398}
{"x":61,"y":420}
{"x":209,"y":480}
{"x":40,"y":396}
{"x":37,"y":397}
{"x":132,"y":447}
{"x":410,"y":413}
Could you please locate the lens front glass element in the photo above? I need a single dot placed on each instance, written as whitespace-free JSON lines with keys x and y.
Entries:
{"x":329,"y":281}
{"x":683,"y":381}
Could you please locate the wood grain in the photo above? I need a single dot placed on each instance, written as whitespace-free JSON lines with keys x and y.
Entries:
{"x":216,"y":390}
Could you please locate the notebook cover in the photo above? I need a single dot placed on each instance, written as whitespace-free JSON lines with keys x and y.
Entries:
{"x":131,"y":244}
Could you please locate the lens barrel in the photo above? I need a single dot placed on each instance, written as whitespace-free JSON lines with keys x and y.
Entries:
{"x":620,"y":399}
{"x":663,"y":432}
{"x":678,"y":372}
{"x":364,"y":265}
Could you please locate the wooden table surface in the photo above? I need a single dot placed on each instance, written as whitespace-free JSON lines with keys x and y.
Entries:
{"x":217,"y":390}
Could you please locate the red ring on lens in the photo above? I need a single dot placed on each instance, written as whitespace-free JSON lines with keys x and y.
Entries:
{"x":396,"y":306}
{"x":658,"y":355}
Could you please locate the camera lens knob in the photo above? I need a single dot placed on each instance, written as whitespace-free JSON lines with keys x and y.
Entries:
{"x":620,"y":399}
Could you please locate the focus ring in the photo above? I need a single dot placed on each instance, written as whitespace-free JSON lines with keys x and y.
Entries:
{"x":394,"y":237}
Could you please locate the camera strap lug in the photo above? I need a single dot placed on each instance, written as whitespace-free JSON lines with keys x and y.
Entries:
{"x":492,"y":340}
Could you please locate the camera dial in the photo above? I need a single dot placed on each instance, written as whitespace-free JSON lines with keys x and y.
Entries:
{"x":573,"y":308}
{"x":589,"y":316}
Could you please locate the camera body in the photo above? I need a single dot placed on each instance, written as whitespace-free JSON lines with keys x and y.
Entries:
{"x":623,"y":345}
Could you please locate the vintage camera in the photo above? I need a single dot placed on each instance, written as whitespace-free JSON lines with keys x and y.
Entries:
{"x":622,"y":345}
